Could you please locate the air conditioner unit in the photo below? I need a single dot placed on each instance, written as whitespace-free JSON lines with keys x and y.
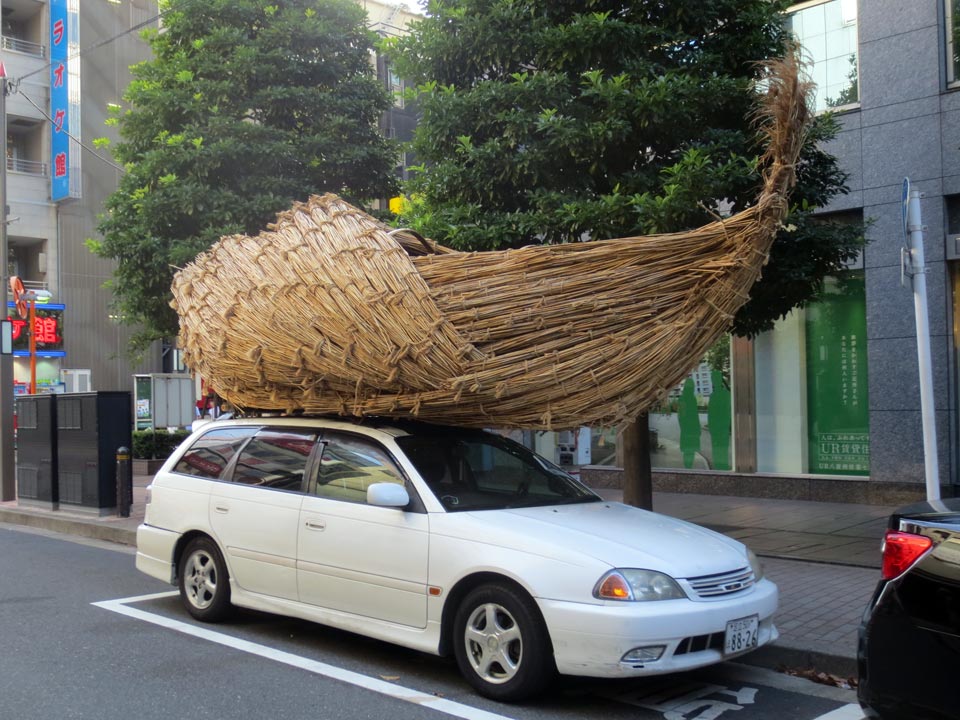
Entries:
{"x":76,"y":381}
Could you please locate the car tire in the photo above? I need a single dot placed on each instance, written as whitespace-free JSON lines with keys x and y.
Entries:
{"x":501,"y":643}
{"x":204,"y":581}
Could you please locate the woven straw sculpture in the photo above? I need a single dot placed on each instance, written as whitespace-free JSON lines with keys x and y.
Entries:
{"x":328,"y":312}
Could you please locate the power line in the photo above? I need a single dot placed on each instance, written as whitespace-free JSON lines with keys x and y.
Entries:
{"x":96,"y":46}
{"x":75,"y":139}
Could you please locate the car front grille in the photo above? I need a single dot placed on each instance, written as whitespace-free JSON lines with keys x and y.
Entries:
{"x":708,"y":587}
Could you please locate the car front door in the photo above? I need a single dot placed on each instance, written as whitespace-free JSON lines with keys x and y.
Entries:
{"x":354,"y":557}
{"x":255,"y":512}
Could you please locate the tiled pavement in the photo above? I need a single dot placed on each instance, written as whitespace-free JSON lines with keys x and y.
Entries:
{"x":823,"y":556}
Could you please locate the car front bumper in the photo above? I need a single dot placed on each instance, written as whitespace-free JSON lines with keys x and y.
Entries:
{"x":590,"y":640}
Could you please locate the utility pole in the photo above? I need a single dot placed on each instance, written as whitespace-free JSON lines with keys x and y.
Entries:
{"x":8,"y":480}
{"x":913,"y":265}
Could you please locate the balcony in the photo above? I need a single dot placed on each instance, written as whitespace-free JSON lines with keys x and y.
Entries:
{"x":30,"y":167}
{"x":21,"y":45}
{"x":22,"y":29}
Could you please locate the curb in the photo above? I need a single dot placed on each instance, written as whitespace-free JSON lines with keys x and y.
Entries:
{"x":781,"y":657}
{"x":97,"y":530}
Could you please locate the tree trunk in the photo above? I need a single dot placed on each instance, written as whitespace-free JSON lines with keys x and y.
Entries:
{"x":637,"y":478}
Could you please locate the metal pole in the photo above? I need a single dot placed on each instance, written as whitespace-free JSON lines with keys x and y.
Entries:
{"x":8,"y":480}
{"x":32,"y":323}
{"x":915,"y":231}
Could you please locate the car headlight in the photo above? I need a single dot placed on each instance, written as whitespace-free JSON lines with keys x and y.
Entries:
{"x":637,"y":585}
{"x":755,"y":565}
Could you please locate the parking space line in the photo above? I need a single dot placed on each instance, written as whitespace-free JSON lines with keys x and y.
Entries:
{"x":382,"y":687}
{"x":847,"y":712}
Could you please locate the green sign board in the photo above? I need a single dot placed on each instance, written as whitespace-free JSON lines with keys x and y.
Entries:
{"x":838,"y":420}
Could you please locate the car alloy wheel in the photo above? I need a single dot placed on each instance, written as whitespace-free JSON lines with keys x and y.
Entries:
{"x":501,"y":643}
{"x":494,"y":644}
{"x":204,"y":584}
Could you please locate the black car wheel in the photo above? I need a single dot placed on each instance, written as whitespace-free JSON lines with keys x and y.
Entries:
{"x":501,"y":643}
{"x":204,"y":583}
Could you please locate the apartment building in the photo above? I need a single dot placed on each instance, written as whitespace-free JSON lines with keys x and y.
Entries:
{"x":66,"y":62}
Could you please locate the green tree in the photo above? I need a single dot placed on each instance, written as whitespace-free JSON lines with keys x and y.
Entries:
{"x":246,"y":106}
{"x":554,"y":121}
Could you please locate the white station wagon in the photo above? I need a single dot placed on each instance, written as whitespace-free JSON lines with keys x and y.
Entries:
{"x":446,"y":541}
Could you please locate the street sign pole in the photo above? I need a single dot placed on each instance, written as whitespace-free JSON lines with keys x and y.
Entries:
{"x":913,"y":227}
{"x":8,"y":480}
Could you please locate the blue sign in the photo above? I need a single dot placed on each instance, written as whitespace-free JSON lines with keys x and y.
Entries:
{"x":905,"y":210}
{"x":59,"y":102}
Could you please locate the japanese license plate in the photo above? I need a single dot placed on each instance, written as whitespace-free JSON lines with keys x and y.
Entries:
{"x":741,"y":635}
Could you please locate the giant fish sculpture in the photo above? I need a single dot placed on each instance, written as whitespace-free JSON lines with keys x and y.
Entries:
{"x":328,"y":311}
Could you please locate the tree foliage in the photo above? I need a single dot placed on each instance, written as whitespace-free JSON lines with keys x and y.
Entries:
{"x":246,"y":106}
{"x":554,"y":121}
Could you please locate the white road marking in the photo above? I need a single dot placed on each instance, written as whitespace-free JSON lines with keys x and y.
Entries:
{"x":319,"y":668}
{"x":847,"y":712}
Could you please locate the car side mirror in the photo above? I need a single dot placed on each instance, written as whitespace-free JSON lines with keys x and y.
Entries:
{"x":387,"y":495}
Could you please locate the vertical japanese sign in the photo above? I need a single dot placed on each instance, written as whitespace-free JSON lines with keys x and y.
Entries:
{"x":838,"y":419}
{"x":59,"y":102}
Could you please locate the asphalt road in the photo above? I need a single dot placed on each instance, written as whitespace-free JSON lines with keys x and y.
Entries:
{"x":84,"y":635}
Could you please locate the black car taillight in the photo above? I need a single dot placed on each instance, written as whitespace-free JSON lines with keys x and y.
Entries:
{"x":901,"y":550}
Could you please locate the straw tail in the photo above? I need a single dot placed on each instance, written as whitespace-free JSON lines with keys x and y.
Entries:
{"x":784,"y":116}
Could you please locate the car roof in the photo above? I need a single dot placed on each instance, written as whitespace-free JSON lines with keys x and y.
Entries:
{"x":394,"y":427}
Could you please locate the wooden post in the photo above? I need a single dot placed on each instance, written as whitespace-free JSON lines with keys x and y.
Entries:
{"x":637,"y":475}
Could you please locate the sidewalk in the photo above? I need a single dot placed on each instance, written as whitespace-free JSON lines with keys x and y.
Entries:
{"x":825,"y":558}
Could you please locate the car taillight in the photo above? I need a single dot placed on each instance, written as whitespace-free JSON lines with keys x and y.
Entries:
{"x":901,"y":550}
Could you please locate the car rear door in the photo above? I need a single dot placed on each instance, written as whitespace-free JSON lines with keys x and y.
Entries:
{"x":354,"y":557}
{"x":255,"y":511}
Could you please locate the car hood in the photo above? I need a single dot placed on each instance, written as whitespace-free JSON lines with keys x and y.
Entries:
{"x":615,"y":534}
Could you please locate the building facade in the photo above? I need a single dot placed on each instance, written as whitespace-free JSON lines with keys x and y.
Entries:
{"x":828,"y":404}
{"x":67,"y":63}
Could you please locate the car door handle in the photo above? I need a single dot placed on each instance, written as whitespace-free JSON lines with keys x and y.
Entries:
{"x":314,"y":525}
{"x":221,"y":509}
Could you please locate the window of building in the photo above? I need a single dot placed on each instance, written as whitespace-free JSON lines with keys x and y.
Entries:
{"x":828,"y":33}
{"x":952,"y":16}
{"x":396,"y":88}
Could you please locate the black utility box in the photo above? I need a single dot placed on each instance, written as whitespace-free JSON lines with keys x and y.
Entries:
{"x":90,"y":429}
{"x":37,"y":482}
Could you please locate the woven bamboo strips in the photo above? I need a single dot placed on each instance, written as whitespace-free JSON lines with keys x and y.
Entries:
{"x":326,"y":312}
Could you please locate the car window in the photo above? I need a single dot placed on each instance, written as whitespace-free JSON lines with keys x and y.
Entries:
{"x":475,"y":470}
{"x":275,"y":459}
{"x":350,"y":464}
{"x":210,"y":453}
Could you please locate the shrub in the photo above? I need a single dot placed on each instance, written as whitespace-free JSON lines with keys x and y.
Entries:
{"x":156,"y":444}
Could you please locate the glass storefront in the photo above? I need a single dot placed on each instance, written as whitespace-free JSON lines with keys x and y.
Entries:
{"x":807,"y":400}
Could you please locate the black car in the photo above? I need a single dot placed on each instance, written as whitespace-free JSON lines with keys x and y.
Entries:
{"x":909,"y":644}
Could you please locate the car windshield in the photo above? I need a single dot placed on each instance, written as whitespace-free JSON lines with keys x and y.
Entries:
{"x":475,"y":470}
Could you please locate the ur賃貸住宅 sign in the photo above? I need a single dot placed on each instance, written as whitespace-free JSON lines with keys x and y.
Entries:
{"x":59,"y":101}
{"x":48,"y":326}
{"x":838,"y":416}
